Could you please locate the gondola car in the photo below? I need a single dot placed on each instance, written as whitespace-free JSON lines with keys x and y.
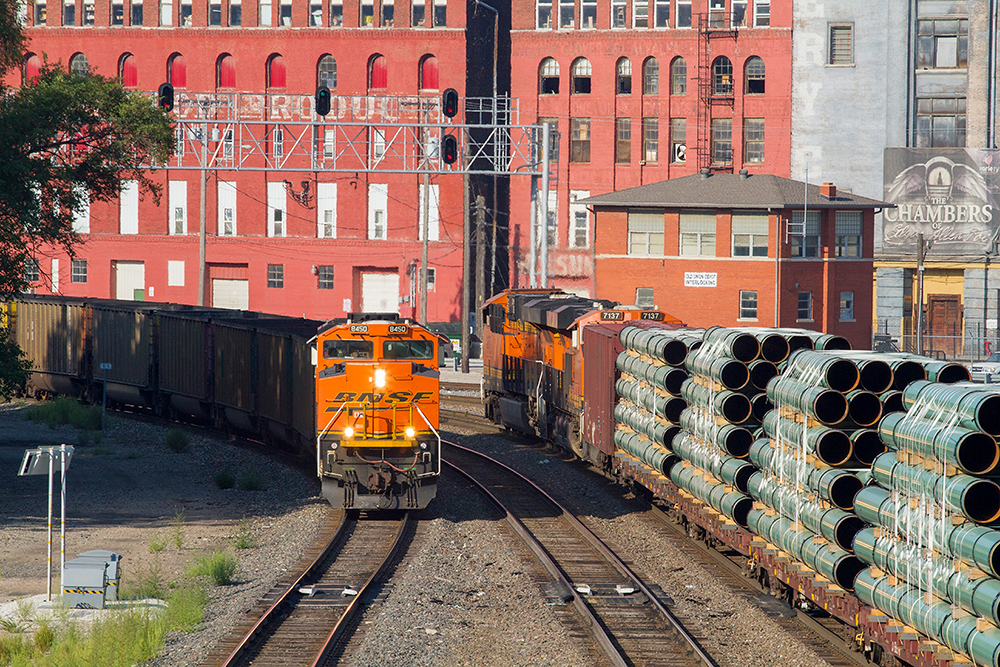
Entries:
{"x":377,"y":399}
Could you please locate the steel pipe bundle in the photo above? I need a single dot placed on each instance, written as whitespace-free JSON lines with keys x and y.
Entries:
{"x":833,"y":523}
{"x":819,"y":369}
{"x":644,"y":422}
{"x":774,"y":346}
{"x":733,"y":504}
{"x":647,"y":451}
{"x":977,"y":595}
{"x":935,"y":620}
{"x":727,"y":468}
{"x":732,"y":439}
{"x":975,"y":452}
{"x":978,"y":545}
{"x":836,"y":486}
{"x":669,"y":346}
{"x":668,"y":407}
{"x":668,"y":378}
{"x":728,"y":372}
{"x":945,"y":372}
{"x":816,"y":340}
{"x":828,"y":559}
{"x":733,"y":407}
{"x":826,"y":406}
{"x":831,"y":446}
{"x":976,"y":407}
{"x":976,"y":499}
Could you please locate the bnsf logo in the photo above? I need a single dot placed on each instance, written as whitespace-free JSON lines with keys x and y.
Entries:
{"x":359,"y":328}
{"x":370,"y":397}
{"x":651,"y":316}
{"x":612,"y":315}
{"x":398,"y":328}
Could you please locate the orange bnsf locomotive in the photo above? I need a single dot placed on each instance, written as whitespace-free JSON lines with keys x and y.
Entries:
{"x":377,"y":399}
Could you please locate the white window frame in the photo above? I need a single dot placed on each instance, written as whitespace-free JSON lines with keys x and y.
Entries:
{"x":622,"y":7}
{"x":636,"y":13}
{"x":81,"y":219}
{"x":847,"y":314}
{"x":540,"y":6}
{"x":810,"y":304}
{"x":677,"y":16}
{"x":645,"y":226}
{"x":326,"y":210}
{"x":264,"y":14}
{"x":576,"y":208}
{"x":732,"y":13}
{"x":226,"y":191}
{"x":691,"y":224}
{"x":571,"y":5}
{"x":277,"y":209}
{"x":377,"y":145}
{"x":434,"y":209}
{"x":378,"y":211}
{"x":166,"y":13}
{"x":552,"y":224}
{"x":177,"y":208}
{"x":129,"y":208}
{"x":189,"y":19}
{"x":747,"y":224}
{"x":762,"y":13}
{"x":588,"y":7}
{"x":175,"y":273}
{"x":745,"y":314}
{"x":55,"y":275}
{"x":285,"y":6}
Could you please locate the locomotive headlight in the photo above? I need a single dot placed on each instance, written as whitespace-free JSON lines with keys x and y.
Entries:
{"x":379,"y":377}
{"x":348,"y":432}
{"x":410,"y":432}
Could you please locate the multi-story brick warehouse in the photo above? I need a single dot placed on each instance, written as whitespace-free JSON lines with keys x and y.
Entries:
{"x":641,"y":91}
{"x":312,"y":243}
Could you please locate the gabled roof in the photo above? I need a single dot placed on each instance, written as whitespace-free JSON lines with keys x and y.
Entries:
{"x":736,"y":191}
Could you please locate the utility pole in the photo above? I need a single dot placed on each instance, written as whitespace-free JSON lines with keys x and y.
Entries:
{"x":544,"y":215}
{"x":919,"y":305}
{"x":424,"y":226}
{"x":202,"y":183}
{"x":480,"y":251}
{"x":466,"y":258}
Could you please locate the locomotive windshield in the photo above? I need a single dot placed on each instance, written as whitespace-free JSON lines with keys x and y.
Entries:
{"x":408,"y":349}
{"x":348,"y":349}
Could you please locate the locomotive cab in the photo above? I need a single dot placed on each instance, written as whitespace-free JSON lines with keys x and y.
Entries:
{"x":377,"y":399}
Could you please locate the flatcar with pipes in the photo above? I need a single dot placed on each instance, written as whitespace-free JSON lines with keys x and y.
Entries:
{"x":377,"y":397}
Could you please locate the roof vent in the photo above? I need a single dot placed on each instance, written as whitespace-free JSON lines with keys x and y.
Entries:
{"x":828,"y":190}
{"x":705,"y":172}
{"x":744,"y":174}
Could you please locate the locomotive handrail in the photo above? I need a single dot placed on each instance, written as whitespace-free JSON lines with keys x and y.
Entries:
{"x":435,"y":431}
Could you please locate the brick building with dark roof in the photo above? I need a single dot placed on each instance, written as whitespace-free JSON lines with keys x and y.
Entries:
{"x":740,"y":250}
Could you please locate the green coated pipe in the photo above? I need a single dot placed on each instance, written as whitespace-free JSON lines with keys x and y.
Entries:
{"x":863,"y":407}
{"x":831,"y":446}
{"x":642,"y":421}
{"x":727,"y":468}
{"x":866,"y":446}
{"x":668,"y":407}
{"x":731,"y":343}
{"x":733,"y":504}
{"x":836,"y":486}
{"x":760,"y":404}
{"x":976,"y":407}
{"x":646,"y":451}
{"x":820,"y":369}
{"x":945,"y":372}
{"x":728,"y":372}
{"x":658,"y":343}
{"x":761,"y":372}
{"x":975,"y":452}
{"x":774,"y":346}
{"x":730,"y":438}
{"x":733,"y":407}
{"x":979,"y":545}
{"x":833,"y":523}
{"x":819,"y":341}
{"x":668,"y":378}
{"x":826,"y":406}
{"x":976,"y":499}
{"x":892,"y":401}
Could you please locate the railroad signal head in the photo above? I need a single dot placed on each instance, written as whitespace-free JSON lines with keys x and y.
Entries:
{"x":449,"y":149}
{"x":322,"y":101}
{"x":165,"y":97}
{"x":449,"y":102}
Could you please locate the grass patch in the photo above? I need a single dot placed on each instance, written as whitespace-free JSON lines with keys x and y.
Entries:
{"x":249,"y":481}
{"x":244,"y":539}
{"x":157,"y":544}
{"x":44,"y":636}
{"x":64,"y":410}
{"x":12,"y":626}
{"x":148,"y":583}
{"x":218,"y":566}
{"x":225,"y":479}
{"x":177,"y":533}
{"x":177,"y":440}
{"x":185,"y":608}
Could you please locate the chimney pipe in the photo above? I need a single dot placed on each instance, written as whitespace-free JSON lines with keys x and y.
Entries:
{"x":828,"y":190}
{"x":744,"y":174}
{"x":705,"y":172}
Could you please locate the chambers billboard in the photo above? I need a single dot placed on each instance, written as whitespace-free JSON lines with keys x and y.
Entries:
{"x":948,"y":194}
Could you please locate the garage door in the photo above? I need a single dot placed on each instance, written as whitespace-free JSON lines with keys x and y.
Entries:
{"x":380,"y":292}
{"x":130,"y":281}
{"x":233,"y":294}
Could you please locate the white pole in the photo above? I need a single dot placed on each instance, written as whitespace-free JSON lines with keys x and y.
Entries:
{"x":48,"y":587}
{"x":62,"y":525}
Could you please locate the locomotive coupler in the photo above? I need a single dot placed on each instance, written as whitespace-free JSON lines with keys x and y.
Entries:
{"x":379,"y":481}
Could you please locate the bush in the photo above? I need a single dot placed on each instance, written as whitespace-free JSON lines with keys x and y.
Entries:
{"x":65,"y":410}
{"x":177,"y":440}
{"x":244,"y":539}
{"x":157,"y":544}
{"x":249,"y":481}
{"x":218,"y":566}
{"x":225,"y":479}
{"x":148,"y":583}
{"x":44,"y":637}
{"x":177,"y":534}
{"x":185,"y":608}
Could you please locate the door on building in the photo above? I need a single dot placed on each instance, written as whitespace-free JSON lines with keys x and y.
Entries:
{"x":944,"y":325}
{"x":130,"y":281}
{"x":380,"y":292}
{"x":234,"y":294}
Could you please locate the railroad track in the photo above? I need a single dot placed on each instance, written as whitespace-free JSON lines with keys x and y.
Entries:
{"x":308,"y":621}
{"x":625,"y":616}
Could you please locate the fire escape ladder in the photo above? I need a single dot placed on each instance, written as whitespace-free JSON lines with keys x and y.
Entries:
{"x":713,"y":27}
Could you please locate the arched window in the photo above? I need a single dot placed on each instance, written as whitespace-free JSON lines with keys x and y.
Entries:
{"x":581,"y":76}
{"x":722,"y":76}
{"x":32,"y":66}
{"x":548,"y":77}
{"x":326,"y":72}
{"x":678,"y":77}
{"x":275,"y":71}
{"x":754,"y":76}
{"x":78,"y":65}
{"x":177,"y":71}
{"x":225,"y":71}
{"x":127,"y":71}
{"x":378,"y":73}
{"x":623,"y":80}
{"x":428,"y":73}
{"x":651,"y":77}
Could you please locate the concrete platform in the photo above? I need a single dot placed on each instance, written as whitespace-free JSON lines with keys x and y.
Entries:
{"x":473,"y":378}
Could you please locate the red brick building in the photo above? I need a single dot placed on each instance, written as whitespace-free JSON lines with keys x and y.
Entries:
{"x":642,"y":91}
{"x":732,"y":250}
{"x":316,"y":243}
